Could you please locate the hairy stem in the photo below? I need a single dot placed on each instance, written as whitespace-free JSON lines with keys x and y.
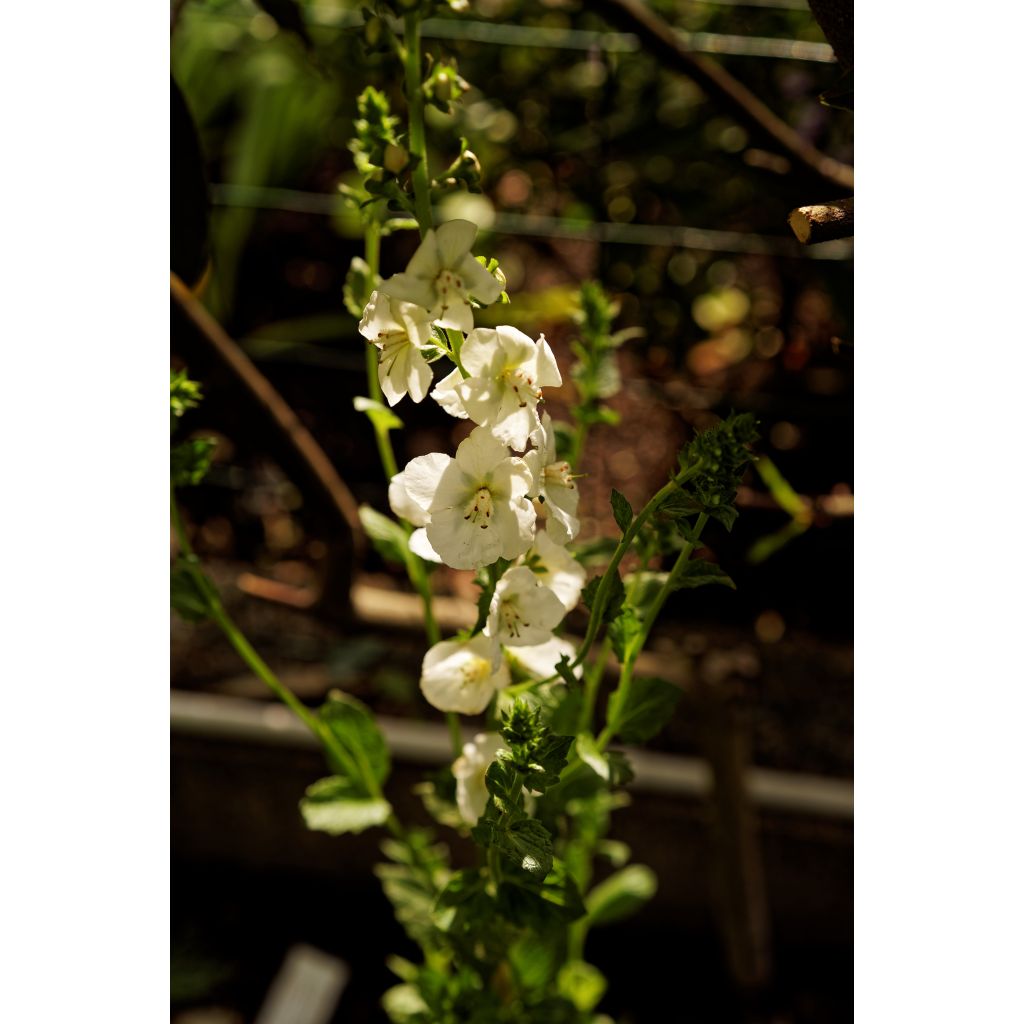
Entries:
{"x":417,"y":131}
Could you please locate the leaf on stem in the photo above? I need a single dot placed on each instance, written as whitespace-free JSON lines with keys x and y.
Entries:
{"x":382,"y":418}
{"x":525,"y":842}
{"x":624,"y":633}
{"x":387,"y":537}
{"x":335,"y":805}
{"x":590,"y":754}
{"x":616,"y":596}
{"x":187,"y":598}
{"x":644,"y":709}
{"x":353,"y":727}
{"x":621,"y":894}
{"x":622,"y":510}
{"x":697,"y":572}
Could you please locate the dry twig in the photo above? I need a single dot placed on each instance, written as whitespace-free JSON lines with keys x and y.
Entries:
{"x":823,"y":222}
{"x":664,"y":41}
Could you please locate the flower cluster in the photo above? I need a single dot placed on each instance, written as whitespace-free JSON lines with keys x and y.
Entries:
{"x":504,"y":495}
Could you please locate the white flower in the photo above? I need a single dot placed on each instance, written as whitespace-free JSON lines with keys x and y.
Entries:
{"x":477,"y":505}
{"x":442,"y":274}
{"x":506,"y":371}
{"x":401,"y":330}
{"x":523,"y":611}
{"x":463,"y":675}
{"x":554,"y":492}
{"x":469,"y":770}
{"x":556,"y":568}
{"x":539,"y":661}
{"x":446,"y":395}
{"x":403,"y":505}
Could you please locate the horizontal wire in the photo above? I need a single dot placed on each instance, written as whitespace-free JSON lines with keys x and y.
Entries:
{"x":584,"y":40}
{"x":671,"y":235}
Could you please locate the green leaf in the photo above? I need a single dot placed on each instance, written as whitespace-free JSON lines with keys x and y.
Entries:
{"x":190,"y":461}
{"x":541,"y":905}
{"x":388,"y":538}
{"x":624,"y":632}
{"x":582,"y":984}
{"x":649,"y":704}
{"x":185,"y":394}
{"x":616,"y":596}
{"x":359,"y":285}
{"x":621,"y":894}
{"x":335,"y":805}
{"x":622,"y":510}
{"x":382,"y":418}
{"x":547,"y":760}
{"x":725,"y":514}
{"x":534,"y":958}
{"x":353,"y":726}
{"x":697,"y":572}
{"x":526,"y":842}
{"x":563,"y":669}
{"x":588,"y":752}
{"x":187,"y":599}
{"x":621,"y":771}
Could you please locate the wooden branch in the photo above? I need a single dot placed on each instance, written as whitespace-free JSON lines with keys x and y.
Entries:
{"x":823,"y":222}
{"x":748,"y":110}
{"x":279,"y":412}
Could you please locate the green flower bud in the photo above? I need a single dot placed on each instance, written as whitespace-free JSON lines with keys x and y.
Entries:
{"x":396,"y":158}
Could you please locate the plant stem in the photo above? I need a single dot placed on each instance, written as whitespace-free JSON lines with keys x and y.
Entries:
{"x":251,"y":657}
{"x":620,"y":697}
{"x":417,"y":131}
{"x":605,"y":586}
{"x":591,"y":685}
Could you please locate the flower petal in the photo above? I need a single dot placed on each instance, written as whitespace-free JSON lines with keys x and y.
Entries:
{"x":454,"y":240}
{"x":480,"y":453}
{"x":419,"y":544}
{"x":446,"y":395}
{"x":478,"y":281}
{"x":410,"y":288}
{"x":421,"y":478}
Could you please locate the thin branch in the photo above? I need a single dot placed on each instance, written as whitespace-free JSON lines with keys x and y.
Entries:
{"x":748,"y":110}
{"x":303,"y":443}
{"x":823,"y":222}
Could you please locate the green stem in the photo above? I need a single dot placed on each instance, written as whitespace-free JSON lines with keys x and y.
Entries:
{"x":626,"y":675}
{"x":417,"y":130}
{"x":605,"y":586}
{"x":251,"y":657}
{"x":591,"y":685}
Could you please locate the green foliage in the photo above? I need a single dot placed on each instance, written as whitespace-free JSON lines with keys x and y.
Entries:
{"x":417,"y":870}
{"x":359,"y":285}
{"x":625,"y":632}
{"x":388,"y":538}
{"x":365,"y":758}
{"x":643,"y":709}
{"x":336,"y":805}
{"x":524,"y":841}
{"x":350,"y":800}
{"x":582,"y":984}
{"x":622,"y":510}
{"x":187,"y":597}
{"x":722,"y":453}
{"x":614,"y":602}
{"x":190,"y":461}
{"x":185,"y":394}
{"x":697,"y":573}
{"x":621,"y":894}
{"x":382,"y":418}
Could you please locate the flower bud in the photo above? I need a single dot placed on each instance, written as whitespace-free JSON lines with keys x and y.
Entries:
{"x":442,"y":86}
{"x":372,"y":31}
{"x":396,"y":158}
